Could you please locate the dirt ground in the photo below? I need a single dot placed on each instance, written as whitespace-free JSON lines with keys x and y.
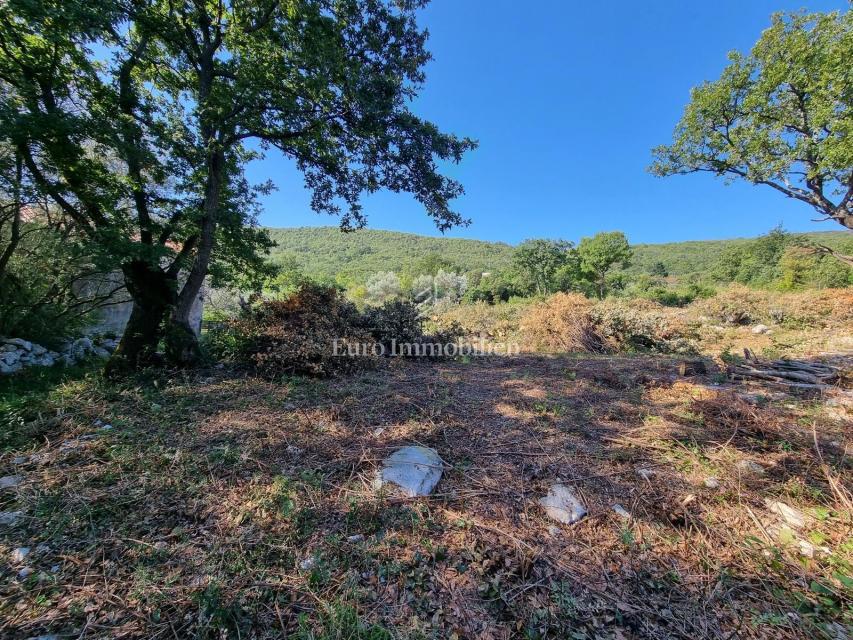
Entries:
{"x":220,"y":506}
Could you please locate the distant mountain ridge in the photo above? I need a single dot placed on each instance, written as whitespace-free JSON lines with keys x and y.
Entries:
{"x":326,"y":252}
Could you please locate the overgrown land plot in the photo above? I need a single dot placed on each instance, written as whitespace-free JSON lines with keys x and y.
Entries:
{"x":216,"y":505}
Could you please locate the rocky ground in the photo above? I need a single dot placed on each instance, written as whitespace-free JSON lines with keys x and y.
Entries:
{"x":591,"y":497}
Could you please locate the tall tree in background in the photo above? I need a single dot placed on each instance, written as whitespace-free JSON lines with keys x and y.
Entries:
{"x":134,"y":117}
{"x":781,"y":116}
{"x":600,"y":254}
{"x":538,"y":262}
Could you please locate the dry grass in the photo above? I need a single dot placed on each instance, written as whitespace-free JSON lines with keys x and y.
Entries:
{"x":195,"y":514}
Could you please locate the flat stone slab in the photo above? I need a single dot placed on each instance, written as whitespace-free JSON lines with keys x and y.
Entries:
{"x":415,"y":470}
{"x":562,"y":505}
{"x":790,"y":515}
{"x":10,"y":482}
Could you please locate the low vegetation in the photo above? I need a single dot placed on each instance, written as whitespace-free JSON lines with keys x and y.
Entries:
{"x":219,"y":505}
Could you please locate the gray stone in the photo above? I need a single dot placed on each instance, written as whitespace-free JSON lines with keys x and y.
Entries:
{"x":760,"y":328}
{"x":712,"y":483}
{"x":10,"y":482}
{"x":18,"y":342}
{"x":8,"y":347}
{"x":39,"y":350}
{"x":562,"y":505}
{"x":19,"y":554}
{"x":44,"y":361}
{"x":355,"y":538}
{"x":25,"y":573}
{"x":645,"y":474}
{"x":790,"y":515}
{"x":10,"y":518}
{"x":103,"y":354}
{"x":9,"y":369}
{"x":415,"y":470}
{"x":19,"y":459}
{"x":750,"y":466}
{"x":308,"y":563}
{"x":10,"y":357}
{"x":621,"y":511}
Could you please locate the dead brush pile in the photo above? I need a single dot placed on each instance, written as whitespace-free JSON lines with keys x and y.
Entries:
{"x":296,"y":335}
{"x":822,"y":308}
{"x":739,"y":305}
{"x":735,"y":305}
{"x":563,"y":322}
{"x":572,"y":322}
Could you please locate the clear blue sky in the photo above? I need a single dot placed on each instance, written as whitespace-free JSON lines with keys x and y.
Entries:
{"x":566,"y":99}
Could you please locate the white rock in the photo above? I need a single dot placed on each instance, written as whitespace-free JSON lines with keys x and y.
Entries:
{"x":355,"y":538}
{"x":760,"y":328}
{"x":10,"y":482}
{"x":25,"y":573}
{"x":645,"y":474}
{"x":416,"y":470}
{"x":19,"y":459}
{"x":562,"y":505}
{"x":9,"y":518}
{"x":19,"y":554}
{"x":712,"y":483}
{"x":793,"y":517}
{"x":806,"y":548}
{"x":308,"y":563}
{"x":750,"y":466}
{"x":621,"y":511}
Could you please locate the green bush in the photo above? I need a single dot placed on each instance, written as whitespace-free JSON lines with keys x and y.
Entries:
{"x":397,"y":320}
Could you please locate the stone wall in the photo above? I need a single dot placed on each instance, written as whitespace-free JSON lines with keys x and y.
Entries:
{"x":100,"y":339}
{"x":17,"y":354}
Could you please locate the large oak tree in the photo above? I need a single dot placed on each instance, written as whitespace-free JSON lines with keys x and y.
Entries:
{"x":781,"y":116}
{"x":138,"y":117}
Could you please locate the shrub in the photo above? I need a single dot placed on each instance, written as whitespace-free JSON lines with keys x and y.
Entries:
{"x":394,"y":321}
{"x":562,"y":322}
{"x":736,"y":305}
{"x":382,"y":287}
{"x":296,"y":335}
{"x":480,"y":320}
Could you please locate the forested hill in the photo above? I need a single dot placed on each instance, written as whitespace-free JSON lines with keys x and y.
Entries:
{"x":324,"y":252}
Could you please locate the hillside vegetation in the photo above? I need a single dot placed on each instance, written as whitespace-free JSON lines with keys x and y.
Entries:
{"x":326,"y":252}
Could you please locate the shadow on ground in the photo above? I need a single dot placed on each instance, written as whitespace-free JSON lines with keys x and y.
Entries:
{"x":225,"y":506}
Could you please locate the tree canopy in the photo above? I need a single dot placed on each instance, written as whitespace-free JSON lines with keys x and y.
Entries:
{"x":780,"y":116}
{"x":600,"y":254}
{"x":135,"y":118}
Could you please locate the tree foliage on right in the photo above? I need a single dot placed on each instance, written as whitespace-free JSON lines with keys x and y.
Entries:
{"x":780,"y":116}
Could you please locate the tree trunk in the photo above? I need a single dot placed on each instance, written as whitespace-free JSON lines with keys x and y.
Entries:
{"x":17,"y":206}
{"x":182,"y":346}
{"x":153,"y":294}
